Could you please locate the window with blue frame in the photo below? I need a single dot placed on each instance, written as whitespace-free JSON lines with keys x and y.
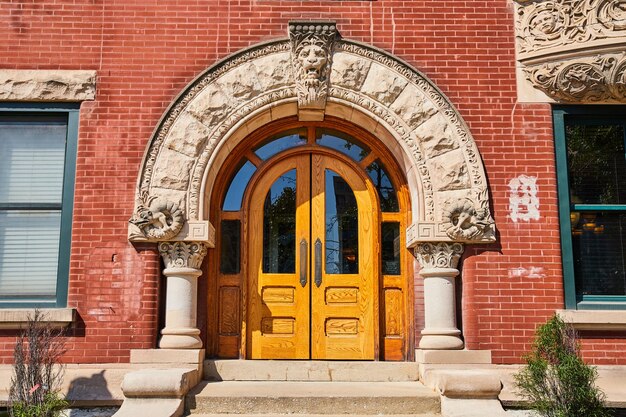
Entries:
{"x":38,"y":153}
{"x":591,"y":166}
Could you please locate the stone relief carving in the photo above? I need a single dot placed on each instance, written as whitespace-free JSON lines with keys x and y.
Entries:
{"x":192,"y":91}
{"x":600,"y":78}
{"x":438,"y":255}
{"x":182,"y":254}
{"x":157,"y":219}
{"x":47,"y":85}
{"x":311,"y":50}
{"x":463,"y":221}
{"x":556,"y":23}
{"x":286,"y":90}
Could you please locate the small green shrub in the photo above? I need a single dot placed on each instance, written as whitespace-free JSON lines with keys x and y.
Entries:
{"x":555,"y":380}
{"x":37,"y":373}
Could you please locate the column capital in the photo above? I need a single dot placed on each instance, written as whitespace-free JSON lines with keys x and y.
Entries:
{"x":183,"y":254}
{"x":438,"y":254}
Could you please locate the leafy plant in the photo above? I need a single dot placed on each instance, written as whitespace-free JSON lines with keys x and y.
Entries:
{"x":555,"y":380}
{"x":37,"y":373}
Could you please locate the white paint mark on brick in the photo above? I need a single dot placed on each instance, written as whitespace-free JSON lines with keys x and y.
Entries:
{"x":523,"y":200}
{"x":530,"y":272}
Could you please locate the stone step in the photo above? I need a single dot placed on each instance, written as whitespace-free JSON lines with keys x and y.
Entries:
{"x":321,"y":371}
{"x":311,"y":415}
{"x":312,"y":398}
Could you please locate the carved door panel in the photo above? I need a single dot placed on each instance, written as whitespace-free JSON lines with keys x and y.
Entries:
{"x":311,"y":262}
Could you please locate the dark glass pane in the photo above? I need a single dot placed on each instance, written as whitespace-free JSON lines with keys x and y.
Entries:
{"x":599,"y":243}
{"x":390,"y":248}
{"x":281,"y":142}
{"x":342,"y":227}
{"x":279,"y":226}
{"x":386,"y":192}
{"x":597,"y":168}
{"x":342,"y":143}
{"x":230,"y":244}
{"x":234,"y":195}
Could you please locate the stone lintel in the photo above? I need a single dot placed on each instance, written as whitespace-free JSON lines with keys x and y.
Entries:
{"x":47,"y":85}
{"x":191,"y":231}
{"x":17,"y":318}
{"x":453,"y":356}
{"x":422,"y":232}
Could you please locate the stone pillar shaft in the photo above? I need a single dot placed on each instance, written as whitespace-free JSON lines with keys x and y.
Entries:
{"x":439,"y":261}
{"x":182,"y":261}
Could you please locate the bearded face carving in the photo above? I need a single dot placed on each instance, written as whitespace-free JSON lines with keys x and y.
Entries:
{"x":313,"y":59}
{"x":311,"y":48}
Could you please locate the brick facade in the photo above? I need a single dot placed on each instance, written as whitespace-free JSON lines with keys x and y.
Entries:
{"x":145,"y":53}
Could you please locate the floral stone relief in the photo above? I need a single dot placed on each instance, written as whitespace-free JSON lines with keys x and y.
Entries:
{"x":571,"y":50}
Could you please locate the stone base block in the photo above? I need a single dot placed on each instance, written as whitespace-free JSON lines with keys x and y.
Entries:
{"x":167,"y":356}
{"x":457,"y":383}
{"x":472,"y":408}
{"x":159,"y":382}
{"x":153,"y":407}
{"x":453,"y":356}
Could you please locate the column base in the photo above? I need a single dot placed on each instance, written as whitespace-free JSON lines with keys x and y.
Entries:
{"x":188,"y":338}
{"x":441,"y":339}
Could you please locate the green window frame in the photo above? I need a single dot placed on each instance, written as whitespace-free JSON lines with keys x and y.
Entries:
{"x":581,"y":115}
{"x":68,"y":112}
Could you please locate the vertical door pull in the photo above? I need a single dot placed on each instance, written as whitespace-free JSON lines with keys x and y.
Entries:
{"x":303,"y":255}
{"x":318,"y":262}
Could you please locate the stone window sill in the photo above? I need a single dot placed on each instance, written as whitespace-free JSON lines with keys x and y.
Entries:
{"x":16,"y":318}
{"x":594,"y":319}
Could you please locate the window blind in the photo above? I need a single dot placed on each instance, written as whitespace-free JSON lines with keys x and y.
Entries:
{"x":33,"y":155}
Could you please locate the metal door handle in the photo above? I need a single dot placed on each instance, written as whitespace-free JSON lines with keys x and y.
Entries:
{"x":318,"y":262}
{"x":303,"y":256}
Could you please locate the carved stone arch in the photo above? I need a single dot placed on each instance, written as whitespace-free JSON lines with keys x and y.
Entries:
{"x":358,"y":83}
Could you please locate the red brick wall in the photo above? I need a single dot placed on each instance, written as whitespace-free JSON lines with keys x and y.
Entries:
{"x":146,"y":52}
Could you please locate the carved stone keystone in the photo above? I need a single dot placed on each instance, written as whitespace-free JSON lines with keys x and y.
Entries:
{"x":311,"y":59}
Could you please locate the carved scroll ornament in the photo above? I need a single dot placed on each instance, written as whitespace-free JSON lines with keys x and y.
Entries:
{"x":557,"y":23}
{"x":157,"y":219}
{"x":182,"y":254}
{"x":311,"y":52}
{"x":587,"y":79}
{"x":438,"y":255}
{"x":463,"y":222}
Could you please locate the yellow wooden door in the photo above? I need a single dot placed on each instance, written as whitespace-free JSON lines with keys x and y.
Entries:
{"x":312,"y":289}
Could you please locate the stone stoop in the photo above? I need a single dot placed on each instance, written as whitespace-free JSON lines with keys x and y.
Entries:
{"x":247,"y":388}
{"x":313,"y":371}
{"x":264,"y":398}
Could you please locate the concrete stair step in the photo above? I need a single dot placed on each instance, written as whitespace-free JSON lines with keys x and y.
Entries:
{"x":310,"y":415}
{"x":312,"y":398}
{"x":321,"y":371}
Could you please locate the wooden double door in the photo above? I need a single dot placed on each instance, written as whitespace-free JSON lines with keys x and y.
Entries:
{"x":312,"y":289}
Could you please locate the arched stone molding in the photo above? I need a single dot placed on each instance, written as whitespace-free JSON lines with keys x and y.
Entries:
{"x":366,"y":86}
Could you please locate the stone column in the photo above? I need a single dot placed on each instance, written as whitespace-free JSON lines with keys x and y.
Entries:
{"x":439,"y":262}
{"x":182,"y":269}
